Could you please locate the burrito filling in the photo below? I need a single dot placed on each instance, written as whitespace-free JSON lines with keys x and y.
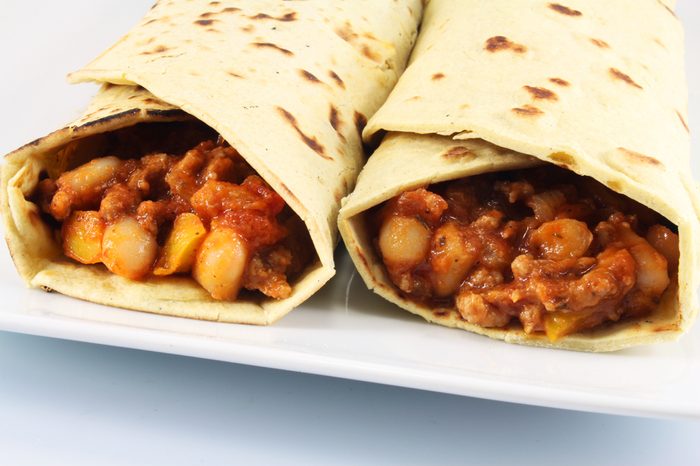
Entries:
{"x":557,"y":252}
{"x":205,"y":213}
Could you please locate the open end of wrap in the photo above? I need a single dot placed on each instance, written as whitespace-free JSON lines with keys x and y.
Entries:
{"x":154,"y":211}
{"x":502,"y":244}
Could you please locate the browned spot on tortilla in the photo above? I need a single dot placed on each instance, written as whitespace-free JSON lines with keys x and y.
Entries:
{"x":47,"y":289}
{"x":438,"y":76}
{"x":615,"y":73}
{"x":614,"y":185}
{"x":498,"y":43}
{"x":559,"y":81}
{"x":683,"y":122}
{"x":362,"y":257}
{"x":458,"y":152}
{"x":346,"y":33}
{"x":667,"y":8}
{"x":214,"y":3}
{"x":600,"y":43}
{"x":248,"y":28}
{"x":285,"y":18}
{"x":564,"y":10}
{"x":369,"y":35}
{"x":415,"y":97}
{"x":334,"y":119}
{"x":150,"y":100}
{"x":541,"y":93}
{"x":212,"y":30}
{"x":563,"y":159}
{"x":230,"y":9}
{"x":360,"y":122}
{"x":205,"y":22}
{"x":158,"y":49}
{"x":289,"y":194}
{"x":234,"y":74}
{"x":527,"y":110}
{"x":272,"y":46}
{"x":208,"y":14}
{"x":638,"y":157}
{"x":310,"y":141}
{"x":150,"y":21}
{"x":666,"y":328}
{"x":309,"y":76}
{"x":336,"y":78}
{"x":660,"y":44}
{"x":369,"y":53}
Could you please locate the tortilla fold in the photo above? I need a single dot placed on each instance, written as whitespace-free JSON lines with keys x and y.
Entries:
{"x":289,"y":85}
{"x":594,"y":86}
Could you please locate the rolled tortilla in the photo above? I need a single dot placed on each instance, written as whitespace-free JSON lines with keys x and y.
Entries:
{"x":593,"y":86}
{"x":288,"y":84}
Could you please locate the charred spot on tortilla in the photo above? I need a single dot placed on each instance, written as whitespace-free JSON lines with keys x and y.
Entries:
{"x":334,"y":76}
{"x":617,"y":74}
{"x":541,"y":93}
{"x":683,"y":122}
{"x":309,"y":76}
{"x":272,"y":46}
{"x":362,"y":257}
{"x":171,"y":112}
{"x":667,"y":8}
{"x":564,"y":10}
{"x":638,"y":157}
{"x":158,"y":49}
{"x":458,"y":152}
{"x":600,"y":43}
{"x":205,"y":22}
{"x":360,"y":121}
{"x":560,"y":82}
{"x":234,"y":74}
{"x":108,"y":118}
{"x":310,"y":141}
{"x":438,"y":76}
{"x":527,"y":110}
{"x":498,"y":43}
{"x":292,"y":16}
{"x":334,"y":119}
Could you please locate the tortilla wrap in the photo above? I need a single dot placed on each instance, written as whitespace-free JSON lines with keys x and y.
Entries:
{"x":596,"y":87}
{"x":288,"y":84}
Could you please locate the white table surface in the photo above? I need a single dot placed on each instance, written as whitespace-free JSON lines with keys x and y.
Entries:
{"x":65,"y":402}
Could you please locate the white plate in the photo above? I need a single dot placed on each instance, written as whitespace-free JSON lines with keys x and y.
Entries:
{"x":344,"y":331}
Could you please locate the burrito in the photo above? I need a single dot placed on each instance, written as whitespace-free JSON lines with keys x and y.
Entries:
{"x":205,"y":177}
{"x":533,"y":182}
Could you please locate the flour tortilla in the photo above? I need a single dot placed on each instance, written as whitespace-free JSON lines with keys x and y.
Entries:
{"x":594,"y":86}
{"x":288,"y":84}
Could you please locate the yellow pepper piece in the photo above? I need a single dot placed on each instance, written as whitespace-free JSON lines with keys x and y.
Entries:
{"x":181,"y":246}
{"x":560,"y":324}
{"x":82,"y":236}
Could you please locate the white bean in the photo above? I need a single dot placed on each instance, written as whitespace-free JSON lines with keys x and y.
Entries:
{"x":127,"y":249}
{"x":404,"y":242}
{"x":220,"y":263}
